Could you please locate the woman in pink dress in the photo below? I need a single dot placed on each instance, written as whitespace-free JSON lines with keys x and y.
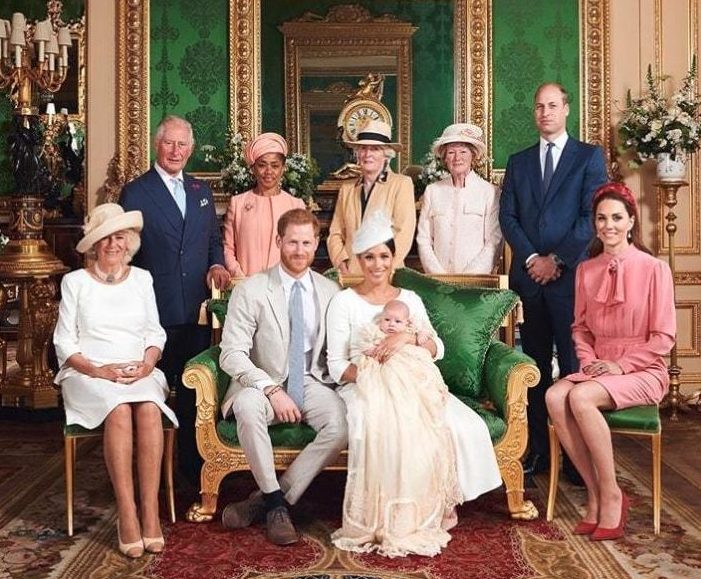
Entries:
{"x":624,"y":323}
{"x":251,"y":219}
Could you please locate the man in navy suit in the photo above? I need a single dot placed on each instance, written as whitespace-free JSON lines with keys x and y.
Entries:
{"x":181,"y":247}
{"x":546,"y":218}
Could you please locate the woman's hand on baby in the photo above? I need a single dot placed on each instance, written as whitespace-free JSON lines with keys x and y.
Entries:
{"x":389,"y":346}
{"x":602,"y":367}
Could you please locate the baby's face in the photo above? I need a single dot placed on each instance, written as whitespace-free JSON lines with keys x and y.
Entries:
{"x":394,"y":320}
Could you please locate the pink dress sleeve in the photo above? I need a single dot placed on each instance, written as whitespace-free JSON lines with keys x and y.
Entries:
{"x":232,"y":264}
{"x":662,"y":323}
{"x":581,"y":335}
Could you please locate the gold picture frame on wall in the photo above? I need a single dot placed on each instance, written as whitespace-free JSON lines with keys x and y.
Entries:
{"x":472,"y":30}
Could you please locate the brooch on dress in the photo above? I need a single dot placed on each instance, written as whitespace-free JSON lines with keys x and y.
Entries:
{"x":248,"y":205}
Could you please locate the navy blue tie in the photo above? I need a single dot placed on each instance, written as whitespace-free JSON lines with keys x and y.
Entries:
{"x":297,"y":360}
{"x":548,"y":169}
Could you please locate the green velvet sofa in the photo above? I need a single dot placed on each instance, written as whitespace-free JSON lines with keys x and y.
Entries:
{"x":488,"y":375}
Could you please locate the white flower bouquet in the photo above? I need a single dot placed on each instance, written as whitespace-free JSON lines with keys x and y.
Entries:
{"x":653,"y":124}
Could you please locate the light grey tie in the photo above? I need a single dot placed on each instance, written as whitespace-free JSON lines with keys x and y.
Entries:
{"x":548,"y":168}
{"x":297,"y":360}
{"x":179,"y":195}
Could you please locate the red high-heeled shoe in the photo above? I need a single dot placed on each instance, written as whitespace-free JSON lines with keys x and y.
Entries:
{"x":607,"y":534}
{"x":584,"y":528}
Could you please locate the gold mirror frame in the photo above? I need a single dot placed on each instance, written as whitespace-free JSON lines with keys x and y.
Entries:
{"x":472,"y":84}
{"x":353,"y":36}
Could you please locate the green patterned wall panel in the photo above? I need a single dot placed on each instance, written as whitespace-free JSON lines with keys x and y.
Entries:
{"x":432,"y":46}
{"x":533,"y":42}
{"x":189,"y":68}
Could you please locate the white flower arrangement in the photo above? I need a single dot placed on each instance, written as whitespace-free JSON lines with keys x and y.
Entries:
{"x":4,"y":240}
{"x":652,"y":124}
{"x":236,"y":177}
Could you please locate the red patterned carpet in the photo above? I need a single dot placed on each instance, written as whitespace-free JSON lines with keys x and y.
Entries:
{"x":486,"y":544}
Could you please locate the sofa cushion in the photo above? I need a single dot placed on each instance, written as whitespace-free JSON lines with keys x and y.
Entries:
{"x":289,"y":435}
{"x":466,"y":319}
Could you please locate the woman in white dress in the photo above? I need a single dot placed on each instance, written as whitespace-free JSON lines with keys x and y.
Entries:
{"x":376,"y":523}
{"x":108,"y":340}
{"x":458,"y":229}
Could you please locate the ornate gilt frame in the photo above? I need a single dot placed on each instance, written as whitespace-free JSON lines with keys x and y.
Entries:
{"x":472,"y":86}
{"x":352,"y":35}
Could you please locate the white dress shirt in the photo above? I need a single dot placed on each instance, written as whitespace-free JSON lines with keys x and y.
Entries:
{"x":559,"y":143}
{"x":309,"y":305}
{"x":168,"y":179}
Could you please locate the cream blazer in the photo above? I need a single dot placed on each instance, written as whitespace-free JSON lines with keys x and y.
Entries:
{"x":458,"y":229}
{"x":256,"y":335}
{"x":394,"y":195}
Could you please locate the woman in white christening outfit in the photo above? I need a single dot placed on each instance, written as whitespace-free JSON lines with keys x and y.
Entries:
{"x":412,"y":457}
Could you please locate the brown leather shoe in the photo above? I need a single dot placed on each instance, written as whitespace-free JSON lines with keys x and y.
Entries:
{"x":281,"y":531}
{"x":242,"y":514}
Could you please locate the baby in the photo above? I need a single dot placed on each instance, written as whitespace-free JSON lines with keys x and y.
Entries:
{"x":395,"y":318}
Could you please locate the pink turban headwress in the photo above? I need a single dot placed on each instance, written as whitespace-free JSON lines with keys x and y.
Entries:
{"x":263,"y":144}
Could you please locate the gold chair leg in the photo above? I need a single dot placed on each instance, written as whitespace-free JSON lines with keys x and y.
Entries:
{"x":656,"y":480}
{"x":69,"y":467}
{"x":554,"y":471}
{"x":169,"y":440}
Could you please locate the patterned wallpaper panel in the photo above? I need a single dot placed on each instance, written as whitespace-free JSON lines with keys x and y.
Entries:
{"x":189,"y":68}
{"x":533,"y":42}
{"x":432,"y":46}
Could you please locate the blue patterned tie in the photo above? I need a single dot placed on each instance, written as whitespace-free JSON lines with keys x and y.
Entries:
{"x":548,"y":169}
{"x":179,"y":195}
{"x":295,"y":378}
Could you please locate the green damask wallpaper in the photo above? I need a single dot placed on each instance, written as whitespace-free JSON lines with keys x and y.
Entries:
{"x":533,"y":42}
{"x":432,"y":46}
{"x":32,"y":10}
{"x":189,"y":68}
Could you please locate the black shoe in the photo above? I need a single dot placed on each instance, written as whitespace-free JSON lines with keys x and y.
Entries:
{"x":536,"y":464}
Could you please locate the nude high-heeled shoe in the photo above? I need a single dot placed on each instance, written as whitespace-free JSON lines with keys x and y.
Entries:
{"x":154,"y":545}
{"x":132,"y":550}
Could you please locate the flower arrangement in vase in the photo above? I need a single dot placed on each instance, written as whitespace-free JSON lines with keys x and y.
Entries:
{"x":235,"y":176}
{"x":666,"y":129}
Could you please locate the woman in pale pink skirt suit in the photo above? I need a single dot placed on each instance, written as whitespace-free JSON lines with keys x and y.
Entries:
{"x":624,"y":323}
{"x":251,"y":219}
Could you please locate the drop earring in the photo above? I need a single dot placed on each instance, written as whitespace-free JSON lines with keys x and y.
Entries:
{"x":630,"y":235}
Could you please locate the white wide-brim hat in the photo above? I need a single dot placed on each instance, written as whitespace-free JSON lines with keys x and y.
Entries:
{"x":376,"y":133}
{"x":105,"y":220}
{"x":460,"y":133}
{"x":375,"y":229}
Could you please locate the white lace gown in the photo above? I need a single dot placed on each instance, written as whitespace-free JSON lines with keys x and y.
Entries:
{"x":107,"y":324}
{"x":476,"y":465}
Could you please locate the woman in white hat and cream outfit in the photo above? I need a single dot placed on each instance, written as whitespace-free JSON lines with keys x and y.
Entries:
{"x":377,"y":189}
{"x":458,"y":229}
{"x":108,"y":340}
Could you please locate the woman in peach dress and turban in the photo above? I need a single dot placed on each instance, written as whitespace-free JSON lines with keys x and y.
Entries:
{"x":624,"y":323}
{"x":251,"y":219}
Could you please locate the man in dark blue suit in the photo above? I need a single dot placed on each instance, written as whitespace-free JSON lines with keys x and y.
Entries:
{"x":181,"y":247}
{"x":546,"y":218}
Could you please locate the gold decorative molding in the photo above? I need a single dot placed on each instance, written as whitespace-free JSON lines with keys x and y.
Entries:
{"x":595,"y":73}
{"x":245,"y":67}
{"x":692,"y":224}
{"x":693,"y":310}
{"x":472,"y":23}
{"x":132,"y":87}
{"x":687,"y":278}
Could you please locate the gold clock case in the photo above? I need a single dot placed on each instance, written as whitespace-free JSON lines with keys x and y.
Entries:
{"x":346,"y":115}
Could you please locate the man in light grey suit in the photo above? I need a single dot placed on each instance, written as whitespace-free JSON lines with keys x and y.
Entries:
{"x":274,"y":348}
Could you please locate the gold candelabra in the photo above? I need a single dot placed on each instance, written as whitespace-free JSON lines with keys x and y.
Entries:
{"x":34,"y":55}
{"x":33,"y":58}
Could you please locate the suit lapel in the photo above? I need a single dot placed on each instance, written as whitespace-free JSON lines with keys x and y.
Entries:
{"x":163,"y":199}
{"x":192,"y":200}
{"x":322,"y":300}
{"x":278,"y":304}
{"x":569,"y":154}
{"x":535,"y":175}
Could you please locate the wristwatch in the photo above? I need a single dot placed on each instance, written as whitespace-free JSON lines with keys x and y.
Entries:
{"x":558,"y":262}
